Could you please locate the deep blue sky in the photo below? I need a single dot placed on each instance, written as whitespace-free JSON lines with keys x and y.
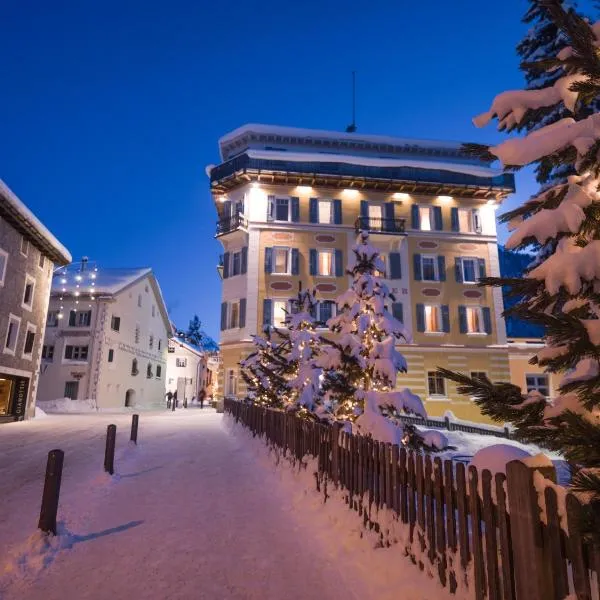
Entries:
{"x":109,"y":111}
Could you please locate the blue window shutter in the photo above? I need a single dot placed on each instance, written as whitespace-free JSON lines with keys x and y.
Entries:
{"x":437,"y":218}
{"x":270,"y":208}
{"x":442,"y":267}
{"x":226,"y":261}
{"x":227,"y":209}
{"x":313,"y":210}
{"x":223,"y":316}
{"x":398,"y":311}
{"x":417,"y":266}
{"x":420,"y":317}
{"x":454,"y":219}
{"x":458,"y":270}
{"x":481,"y":262}
{"x":295,"y":202}
{"x":445,"y":318}
{"x":415,"y":218}
{"x":313,"y":261}
{"x":244,"y":259}
{"x":242,"y":312}
{"x":462,"y":319}
{"x":295,"y":261}
{"x":364,"y":208}
{"x":487,"y":319}
{"x":267,"y":312}
{"x":268,"y":260}
{"x":337,"y":212}
{"x":395,"y":266}
{"x":72,"y":317}
{"x":339,"y":263}
{"x":389,"y":214}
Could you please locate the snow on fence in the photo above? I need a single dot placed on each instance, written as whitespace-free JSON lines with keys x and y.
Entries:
{"x":502,"y":537}
{"x":455,"y":425}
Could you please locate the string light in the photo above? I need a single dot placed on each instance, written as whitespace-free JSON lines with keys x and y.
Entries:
{"x":77,"y":282}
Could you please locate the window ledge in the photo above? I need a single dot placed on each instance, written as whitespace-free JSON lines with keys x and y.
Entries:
{"x":437,"y":399}
{"x":68,"y":361}
{"x":477,"y":333}
{"x":434,"y":332}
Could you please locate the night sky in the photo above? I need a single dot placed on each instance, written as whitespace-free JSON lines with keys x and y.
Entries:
{"x":110,"y":111}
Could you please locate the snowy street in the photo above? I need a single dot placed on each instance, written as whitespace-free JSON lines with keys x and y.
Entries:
{"x":190,"y":513}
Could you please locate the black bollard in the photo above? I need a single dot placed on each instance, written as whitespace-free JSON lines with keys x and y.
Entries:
{"x":135,"y":419}
{"x":185,"y":403}
{"x":109,"y":453}
{"x":51,"y":493}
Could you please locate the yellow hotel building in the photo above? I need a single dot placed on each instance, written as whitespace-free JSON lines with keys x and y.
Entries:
{"x":289,"y":204}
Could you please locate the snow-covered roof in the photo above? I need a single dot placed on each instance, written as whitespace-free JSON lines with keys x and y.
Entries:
{"x":106,"y":281}
{"x":187,"y":345}
{"x":23,"y":219}
{"x":455,"y":167}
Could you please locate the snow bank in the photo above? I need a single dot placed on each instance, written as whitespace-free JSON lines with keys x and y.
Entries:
{"x":496,"y":457}
{"x":39,"y":413}
{"x":435,"y":439}
{"x":66,"y":405}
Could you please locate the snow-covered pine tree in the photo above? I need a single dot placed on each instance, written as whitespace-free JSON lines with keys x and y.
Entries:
{"x":562,"y":292}
{"x":360,"y":358}
{"x":194,"y":333}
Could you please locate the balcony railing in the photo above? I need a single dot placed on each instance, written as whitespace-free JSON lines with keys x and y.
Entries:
{"x":228,"y":224}
{"x":379,"y":225}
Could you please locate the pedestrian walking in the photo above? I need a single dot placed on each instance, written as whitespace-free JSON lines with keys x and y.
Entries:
{"x":201,"y":397}
{"x":175,"y":398}
{"x":169,"y":398}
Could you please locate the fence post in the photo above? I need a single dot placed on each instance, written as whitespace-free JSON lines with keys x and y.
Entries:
{"x":525,"y":525}
{"x":507,"y":433}
{"x":134,"y":428}
{"x":335,"y":451}
{"x":109,"y":452}
{"x":47,"y":522}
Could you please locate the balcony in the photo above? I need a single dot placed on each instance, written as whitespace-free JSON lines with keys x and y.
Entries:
{"x":379,"y":225}
{"x":231,"y":223}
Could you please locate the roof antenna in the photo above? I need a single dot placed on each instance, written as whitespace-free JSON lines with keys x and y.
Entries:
{"x":352,"y":127}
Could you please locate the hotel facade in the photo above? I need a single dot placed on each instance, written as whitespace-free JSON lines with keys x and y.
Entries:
{"x":290,"y":202}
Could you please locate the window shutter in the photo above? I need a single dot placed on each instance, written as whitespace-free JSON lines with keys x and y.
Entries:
{"x":395,"y":266}
{"x":227,"y":209}
{"x":462,"y":319}
{"x":268,"y":260}
{"x":337,"y":212}
{"x":295,"y":261}
{"x":445,"y":318}
{"x":364,"y":208}
{"x":226,"y":265}
{"x":295,"y":204}
{"x":415,"y":219}
{"x":389,"y":214}
{"x":481,"y":262}
{"x":437,"y":218}
{"x":313,"y":210}
{"x":442,"y":267}
{"x":242,"y":312}
{"x":72,"y":317}
{"x":454,"y":219}
{"x":398,"y":311}
{"x":244,"y":259}
{"x":420,"y":317}
{"x":223,"y":316}
{"x":417,"y":266}
{"x":458,"y":270}
{"x":339,"y":263}
{"x":267,"y":312}
{"x":270,"y":208}
{"x":487,"y":319}
{"x":313,"y":261}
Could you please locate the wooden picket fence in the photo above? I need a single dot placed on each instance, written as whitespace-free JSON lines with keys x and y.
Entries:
{"x":496,"y":537}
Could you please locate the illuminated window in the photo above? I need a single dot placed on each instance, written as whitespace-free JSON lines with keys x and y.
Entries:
{"x":469,"y":220}
{"x":325,"y":263}
{"x":279,"y":312}
{"x":474,"y":319}
{"x":433,"y":320}
{"x":281,"y":261}
{"x":425,"y":218}
{"x":325,"y":211}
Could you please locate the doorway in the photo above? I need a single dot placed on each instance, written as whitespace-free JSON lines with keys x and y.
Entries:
{"x":130,"y":398}
{"x":6,"y":386}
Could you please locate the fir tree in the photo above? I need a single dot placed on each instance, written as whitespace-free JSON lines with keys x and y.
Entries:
{"x":194,"y":333}
{"x":562,"y":291}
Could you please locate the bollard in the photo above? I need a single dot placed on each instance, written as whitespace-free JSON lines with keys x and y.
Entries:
{"x":51,"y":493}
{"x":109,"y":453}
{"x":135,"y":419}
{"x":185,"y":403}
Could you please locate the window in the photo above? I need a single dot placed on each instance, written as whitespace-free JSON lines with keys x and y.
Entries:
{"x":76,"y":352}
{"x":28,"y":292}
{"x":234,"y":315}
{"x":42,"y":261}
{"x":137,"y":334}
{"x":469,"y":220}
{"x":436,"y":384}
{"x":159,"y":345}
{"x":482,"y":375}
{"x":281,"y":261}
{"x":24,"y":246}
{"x":139,"y":300}
{"x":111,"y":355}
{"x":153,"y":310}
{"x":171,"y":349}
{"x":231,"y":383}
{"x":12,"y":334}
{"x":151,"y":341}
{"x":433,"y":320}
{"x":282,"y":209}
{"x":325,"y":310}
{"x":325,"y":211}
{"x":236,"y":263}
{"x":429,"y":268}
{"x":325,"y":265}
{"x":80,"y":318}
{"x":158,"y":371}
{"x":134,"y":367}
{"x":279,"y":312}
{"x":469,"y":270}
{"x":425,"y":218}
{"x":181,"y":362}
{"x":383,"y":259}
{"x":474,"y":319}
{"x":29,"y":340}
{"x":538,"y":383}
{"x":115,"y":323}
{"x":149,"y":373}
{"x":48,"y":353}
{"x":3,"y":263}
{"x":52,"y":318}
{"x":71,"y":390}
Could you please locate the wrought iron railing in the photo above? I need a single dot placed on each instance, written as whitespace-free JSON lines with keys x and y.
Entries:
{"x":379,"y":225}
{"x":231,"y":223}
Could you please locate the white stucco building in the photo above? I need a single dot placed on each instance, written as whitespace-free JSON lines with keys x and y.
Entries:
{"x":106,"y":338}
{"x":186,"y":369}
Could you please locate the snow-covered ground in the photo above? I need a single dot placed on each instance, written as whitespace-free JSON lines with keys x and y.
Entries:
{"x":190,"y":514}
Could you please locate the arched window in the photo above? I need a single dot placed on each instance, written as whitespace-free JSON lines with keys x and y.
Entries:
{"x":134,"y":367}
{"x":149,"y":371}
